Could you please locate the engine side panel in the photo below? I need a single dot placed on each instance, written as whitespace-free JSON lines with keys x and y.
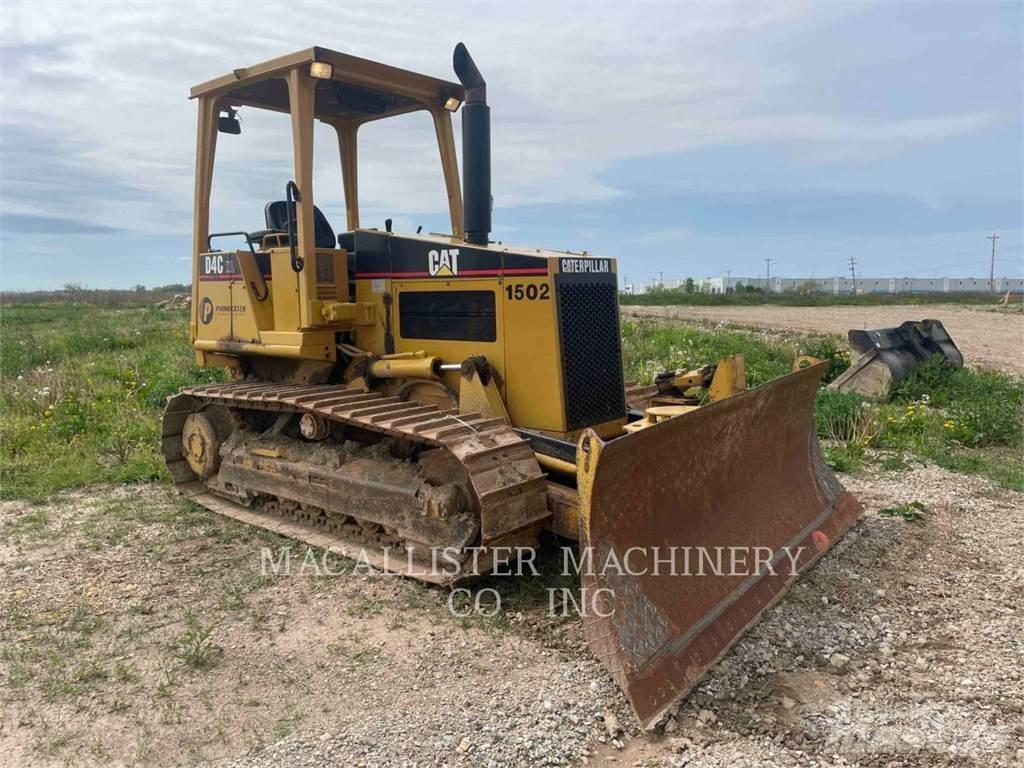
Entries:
{"x":523,"y":347}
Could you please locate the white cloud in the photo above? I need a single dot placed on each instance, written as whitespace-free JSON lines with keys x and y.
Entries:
{"x":573,"y":88}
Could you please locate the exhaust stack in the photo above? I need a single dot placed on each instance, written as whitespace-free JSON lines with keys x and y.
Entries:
{"x":476,"y":150}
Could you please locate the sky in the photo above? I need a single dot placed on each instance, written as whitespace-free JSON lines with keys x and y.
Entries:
{"x":689,"y":138}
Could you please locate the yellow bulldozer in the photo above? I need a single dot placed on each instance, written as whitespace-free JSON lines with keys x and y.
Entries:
{"x":432,"y":403}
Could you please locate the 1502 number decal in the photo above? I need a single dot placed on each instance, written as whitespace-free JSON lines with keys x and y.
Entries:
{"x":530,"y":291}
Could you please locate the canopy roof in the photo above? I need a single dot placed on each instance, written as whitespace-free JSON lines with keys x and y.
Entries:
{"x":360,"y":90}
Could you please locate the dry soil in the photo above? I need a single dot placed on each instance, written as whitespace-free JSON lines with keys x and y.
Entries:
{"x":137,"y":630}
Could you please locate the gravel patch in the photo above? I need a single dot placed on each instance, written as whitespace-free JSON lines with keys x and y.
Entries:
{"x":902,"y":647}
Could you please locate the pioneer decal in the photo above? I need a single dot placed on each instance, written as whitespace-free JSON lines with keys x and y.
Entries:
{"x":586,"y":266}
{"x":443,"y":262}
{"x":206,"y":311}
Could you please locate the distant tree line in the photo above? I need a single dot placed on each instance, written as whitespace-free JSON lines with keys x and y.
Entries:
{"x":76,"y":293}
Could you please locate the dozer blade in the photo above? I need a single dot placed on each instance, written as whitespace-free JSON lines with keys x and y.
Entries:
{"x":888,"y":355}
{"x":738,"y":493}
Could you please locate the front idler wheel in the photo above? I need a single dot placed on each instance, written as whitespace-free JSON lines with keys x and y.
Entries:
{"x":200,"y":443}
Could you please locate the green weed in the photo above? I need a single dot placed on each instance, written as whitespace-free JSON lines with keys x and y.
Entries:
{"x":31,"y":524}
{"x":286,"y":725}
{"x":355,"y":651}
{"x":892,"y":461}
{"x":123,"y":673}
{"x":845,"y":417}
{"x":844,"y":457}
{"x":363,"y":606}
{"x":168,"y":680}
{"x":911,"y":512}
{"x":195,"y":647}
{"x":962,"y":419}
{"x":979,"y":408}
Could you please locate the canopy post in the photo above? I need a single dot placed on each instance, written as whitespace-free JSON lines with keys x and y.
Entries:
{"x":206,"y":145}
{"x":301,"y":91}
{"x":449,"y":166}
{"x":349,"y":171}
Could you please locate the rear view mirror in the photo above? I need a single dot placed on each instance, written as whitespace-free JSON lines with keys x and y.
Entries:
{"x":229,"y":123}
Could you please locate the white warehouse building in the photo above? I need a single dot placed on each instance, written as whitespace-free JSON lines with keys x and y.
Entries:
{"x":838,"y":285}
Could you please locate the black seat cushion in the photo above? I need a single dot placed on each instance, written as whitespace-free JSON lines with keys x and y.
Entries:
{"x":276,"y":214}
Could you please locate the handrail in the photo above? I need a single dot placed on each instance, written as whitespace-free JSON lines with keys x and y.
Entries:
{"x":291,"y":196}
{"x":248,"y":240}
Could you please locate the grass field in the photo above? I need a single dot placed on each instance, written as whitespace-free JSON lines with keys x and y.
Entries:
{"x":83,"y":387}
{"x":82,"y":390}
{"x":965,"y":420}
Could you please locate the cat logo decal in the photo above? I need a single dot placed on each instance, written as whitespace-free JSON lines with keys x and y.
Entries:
{"x":443,"y":263}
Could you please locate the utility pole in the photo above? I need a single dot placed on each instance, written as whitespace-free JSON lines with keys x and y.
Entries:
{"x":853,"y":273}
{"x":768,"y":272}
{"x":661,"y":279}
{"x":992,"y":265}
{"x":728,"y":279}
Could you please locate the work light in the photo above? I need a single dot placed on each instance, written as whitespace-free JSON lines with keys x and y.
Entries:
{"x":321,"y":70}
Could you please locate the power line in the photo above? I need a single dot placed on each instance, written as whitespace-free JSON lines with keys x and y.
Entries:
{"x":992,"y":264}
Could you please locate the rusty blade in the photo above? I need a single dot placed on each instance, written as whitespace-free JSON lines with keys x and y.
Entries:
{"x":744,"y":473}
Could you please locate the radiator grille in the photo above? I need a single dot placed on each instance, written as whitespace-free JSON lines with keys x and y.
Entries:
{"x":588,"y":321}
{"x":326,"y":288}
{"x":325,"y":267}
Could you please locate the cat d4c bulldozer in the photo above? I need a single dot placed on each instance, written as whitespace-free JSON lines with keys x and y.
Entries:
{"x":395,"y":396}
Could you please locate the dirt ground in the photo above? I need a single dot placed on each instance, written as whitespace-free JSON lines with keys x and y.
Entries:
{"x":137,"y":629}
{"x":986,"y":337}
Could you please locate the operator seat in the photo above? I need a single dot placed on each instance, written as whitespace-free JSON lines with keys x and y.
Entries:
{"x":276,"y":215}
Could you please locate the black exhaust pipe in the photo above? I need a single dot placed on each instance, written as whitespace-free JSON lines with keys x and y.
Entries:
{"x":476,"y":150}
